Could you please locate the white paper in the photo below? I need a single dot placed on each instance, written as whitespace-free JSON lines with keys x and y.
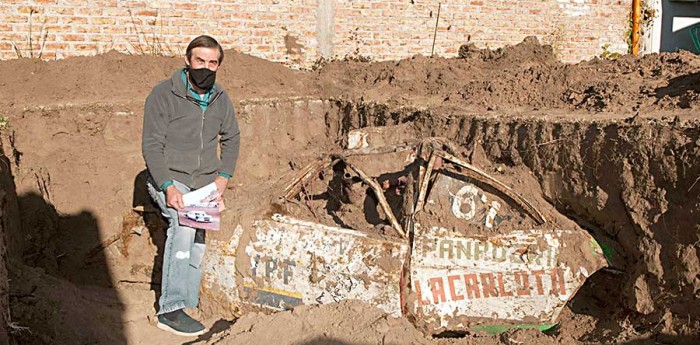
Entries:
{"x":202,"y":196}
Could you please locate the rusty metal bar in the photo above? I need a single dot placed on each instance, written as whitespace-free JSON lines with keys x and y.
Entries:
{"x":424,"y":184}
{"x":474,"y":172}
{"x":380,"y":196}
{"x":309,"y":171}
{"x":636,"y":17}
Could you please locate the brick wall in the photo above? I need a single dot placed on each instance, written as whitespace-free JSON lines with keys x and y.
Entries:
{"x":298,"y":32}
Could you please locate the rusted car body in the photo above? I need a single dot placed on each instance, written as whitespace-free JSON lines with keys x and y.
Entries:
{"x":414,"y":230}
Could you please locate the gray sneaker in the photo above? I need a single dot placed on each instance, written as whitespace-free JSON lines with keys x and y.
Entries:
{"x":180,"y":323}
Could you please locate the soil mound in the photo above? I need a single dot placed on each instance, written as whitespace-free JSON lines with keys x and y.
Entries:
{"x":117,"y":77}
{"x":524,"y":78}
{"x":529,"y":51}
{"x":347,"y":322}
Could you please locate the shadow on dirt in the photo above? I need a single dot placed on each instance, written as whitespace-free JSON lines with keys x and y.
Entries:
{"x":667,"y":339}
{"x":218,"y":327}
{"x":60,"y":283}
{"x":156,"y":227}
{"x":600,"y":297}
{"x":679,"y":87}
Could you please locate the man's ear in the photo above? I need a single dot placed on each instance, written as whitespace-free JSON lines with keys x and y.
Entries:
{"x":187,"y":62}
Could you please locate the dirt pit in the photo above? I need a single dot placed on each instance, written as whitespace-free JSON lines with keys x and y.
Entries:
{"x":611,"y":145}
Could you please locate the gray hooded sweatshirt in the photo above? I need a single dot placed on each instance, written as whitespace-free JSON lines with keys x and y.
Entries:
{"x":180,"y":140}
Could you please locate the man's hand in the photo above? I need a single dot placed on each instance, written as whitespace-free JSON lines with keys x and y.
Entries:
{"x":173,"y":198}
{"x":221,"y":183}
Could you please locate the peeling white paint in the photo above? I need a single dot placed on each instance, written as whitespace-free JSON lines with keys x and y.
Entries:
{"x":291,"y":262}
{"x":465,"y":273}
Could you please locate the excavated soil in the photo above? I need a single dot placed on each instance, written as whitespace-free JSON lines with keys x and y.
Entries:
{"x":613,"y":145}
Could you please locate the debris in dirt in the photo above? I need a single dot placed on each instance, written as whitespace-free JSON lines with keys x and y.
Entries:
{"x":132,"y":224}
{"x":301,"y":258}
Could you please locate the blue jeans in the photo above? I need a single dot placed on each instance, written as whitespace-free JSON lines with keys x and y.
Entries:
{"x":183,"y":254}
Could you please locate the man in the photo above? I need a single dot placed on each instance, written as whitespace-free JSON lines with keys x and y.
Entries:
{"x":186,"y":119}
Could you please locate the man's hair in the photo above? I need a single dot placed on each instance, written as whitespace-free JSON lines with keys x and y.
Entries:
{"x":206,"y":42}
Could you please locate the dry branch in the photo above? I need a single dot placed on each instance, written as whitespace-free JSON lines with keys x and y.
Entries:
{"x":380,"y":196}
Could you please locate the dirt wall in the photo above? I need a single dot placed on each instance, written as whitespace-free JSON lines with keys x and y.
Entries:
{"x":8,"y":223}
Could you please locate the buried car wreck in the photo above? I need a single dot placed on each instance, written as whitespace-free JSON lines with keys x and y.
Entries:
{"x":414,"y":230}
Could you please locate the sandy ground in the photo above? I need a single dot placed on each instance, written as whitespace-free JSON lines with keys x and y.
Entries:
{"x":612,"y":145}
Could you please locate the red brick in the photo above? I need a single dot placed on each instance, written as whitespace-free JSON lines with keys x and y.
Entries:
{"x":267,"y":17}
{"x":73,"y":38}
{"x":75,"y":20}
{"x":103,"y":21}
{"x":87,"y":29}
{"x":191,"y":14}
{"x":185,"y":6}
{"x":100,"y":38}
{"x":103,"y":3}
{"x":86,"y":47}
{"x":218,"y":16}
{"x":167,"y":30}
{"x":115,"y":12}
{"x":114,"y":29}
{"x":146,"y":13}
{"x":58,"y":29}
{"x":181,"y":22}
{"x":16,"y":19}
{"x":208,"y":8}
{"x":91,"y":12}
{"x":30,"y":9}
{"x":48,"y":55}
{"x":66,"y":11}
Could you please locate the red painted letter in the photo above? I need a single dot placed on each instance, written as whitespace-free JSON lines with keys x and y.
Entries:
{"x":437,"y":286}
{"x":453,"y":292}
{"x":421,"y":301}
{"x":472,"y":286}
{"x":502,"y":288}
{"x":558,"y":282}
{"x":522,"y":282}
{"x":538,"y":278}
{"x":488,"y":285}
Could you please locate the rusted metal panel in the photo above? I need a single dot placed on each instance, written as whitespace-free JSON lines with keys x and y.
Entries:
{"x":219,"y":270}
{"x":477,"y":273}
{"x":455,"y":200}
{"x":286,"y":262}
{"x":481,"y":253}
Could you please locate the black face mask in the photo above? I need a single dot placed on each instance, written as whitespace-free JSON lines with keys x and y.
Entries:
{"x":202,"y":78}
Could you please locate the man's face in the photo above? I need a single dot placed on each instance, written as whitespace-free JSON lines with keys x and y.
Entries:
{"x":203,"y":57}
